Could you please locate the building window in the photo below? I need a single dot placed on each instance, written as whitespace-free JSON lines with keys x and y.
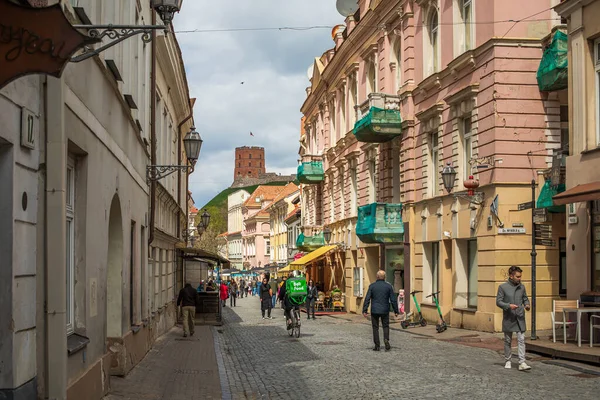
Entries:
{"x":433,"y":42}
{"x":472,"y":273}
{"x":70,"y":259}
{"x":343,"y":129}
{"x":467,"y":17}
{"x":331,"y":202}
{"x":397,"y":58}
{"x":132,"y":274}
{"x":250,"y":156}
{"x":372,"y":180}
{"x":342,"y":194}
{"x":435,"y":163}
{"x":562,"y":272}
{"x":250,"y":163}
{"x":595,"y":284}
{"x":353,"y":93}
{"x":372,"y":76}
{"x":268,"y":248}
{"x":354,"y":194}
{"x":597,"y":69}
{"x":467,"y":142}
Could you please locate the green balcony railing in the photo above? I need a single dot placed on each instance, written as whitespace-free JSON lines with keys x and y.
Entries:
{"x":310,"y":243}
{"x":380,"y":223}
{"x":310,"y":172}
{"x":378,"y":126}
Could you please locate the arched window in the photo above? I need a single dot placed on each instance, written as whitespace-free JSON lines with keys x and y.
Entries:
{"x":249,"y":172}
{"x":372,"y":77}
{"x":433,"y":40}
{"x":251,"y":156}
{"x":397,"y":58}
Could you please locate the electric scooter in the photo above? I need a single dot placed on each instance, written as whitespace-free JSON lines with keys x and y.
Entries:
{"x":441,"y":326}
{"x":420,"y":321}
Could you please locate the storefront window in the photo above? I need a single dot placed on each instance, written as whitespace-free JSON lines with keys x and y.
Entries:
{"x":472,"y":273}
{"x":595,"y":286}
{"x":394,"y":267}
{"x":562,"y":273}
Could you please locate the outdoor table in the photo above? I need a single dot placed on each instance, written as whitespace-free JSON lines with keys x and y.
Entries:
{"x":579,"y":311}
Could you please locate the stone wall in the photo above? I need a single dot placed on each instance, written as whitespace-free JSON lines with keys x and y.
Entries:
{"x":262,"y":179}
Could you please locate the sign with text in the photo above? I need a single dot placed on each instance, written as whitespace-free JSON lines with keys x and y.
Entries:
{"x":511,"y":231}
{"x":525,"y":206}
{"x":545,"y":242}
{"x":35,"y":40}
{"x":541,"y":215}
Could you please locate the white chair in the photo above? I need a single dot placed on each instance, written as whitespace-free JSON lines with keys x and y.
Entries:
{"x":593,"y":325}
{"x":557,"y":307}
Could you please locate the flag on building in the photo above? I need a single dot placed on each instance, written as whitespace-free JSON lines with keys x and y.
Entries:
{"x":494,"y":206}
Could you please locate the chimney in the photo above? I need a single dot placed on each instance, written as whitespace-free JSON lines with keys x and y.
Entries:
{"x":339,"y":39}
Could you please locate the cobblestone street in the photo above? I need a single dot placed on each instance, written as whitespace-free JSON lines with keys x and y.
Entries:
{"x":252,"y":358}
{"x":333,"y":359}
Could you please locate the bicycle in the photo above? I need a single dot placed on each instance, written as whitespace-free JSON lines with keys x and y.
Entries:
{"x":295,"y":328}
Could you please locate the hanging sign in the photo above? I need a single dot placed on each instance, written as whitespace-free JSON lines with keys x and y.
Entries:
{"x":36,"y":40}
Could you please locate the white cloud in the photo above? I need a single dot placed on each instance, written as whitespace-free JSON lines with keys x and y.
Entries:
{"x":272,"y":65}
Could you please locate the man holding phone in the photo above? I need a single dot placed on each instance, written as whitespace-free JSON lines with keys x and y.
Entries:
{"x":512,"y":298}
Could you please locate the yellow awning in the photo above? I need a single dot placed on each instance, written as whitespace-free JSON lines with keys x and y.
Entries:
{"x":291,"y":268}
{"x":312,"y":256}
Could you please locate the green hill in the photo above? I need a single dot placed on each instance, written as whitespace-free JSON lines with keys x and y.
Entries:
{"x":217,"y":206}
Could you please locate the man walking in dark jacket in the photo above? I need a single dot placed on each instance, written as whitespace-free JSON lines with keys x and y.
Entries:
{"x":187,"y":301}
{"x":381,"y":294}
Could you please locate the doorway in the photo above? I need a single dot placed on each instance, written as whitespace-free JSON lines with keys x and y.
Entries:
{"x":114,"y":294}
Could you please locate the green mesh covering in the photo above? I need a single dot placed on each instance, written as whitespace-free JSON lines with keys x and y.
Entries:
{"x":378,"y":126}
{"x":545,"y":198}
{"x":380,"y":223}
{"x":552,"y":74}
{"x":311,"y":172}
{"x":310,"y":243}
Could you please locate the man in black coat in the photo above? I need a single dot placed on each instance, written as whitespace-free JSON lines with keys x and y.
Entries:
{"x":381,"y":294}
{"x":187,"y":301}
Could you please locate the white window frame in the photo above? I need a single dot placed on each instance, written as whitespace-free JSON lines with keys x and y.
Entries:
{"x":434,"y":40}
{"x":467,"y":142}
{"x":371,"y":80}
{"x":434,"y":155}
{"x":466,"y":12}
{"x":397,"y":57}
{"x":354,"y":197}
{"x":70,"y":248}
{"x":372,"y":179}
{"x":597,"y":72}
{"x":358,"y":281}
{"x":472,"y":274}
{"x":332,"y":124}
{"x":268,"y":247}
{"x":342,"y":105}
{"x":353,"y":97}
{"x":331,"y":200}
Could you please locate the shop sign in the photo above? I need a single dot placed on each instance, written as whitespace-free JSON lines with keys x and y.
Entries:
{"x":36,"y":40}
{"x":511,"y":231}
{"x":541,"y":215}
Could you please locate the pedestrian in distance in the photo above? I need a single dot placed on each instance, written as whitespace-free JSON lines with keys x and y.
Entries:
{"x":311,"y":299}
{"x":223,"y":293}
{"x":512,"y":299}
{"x":187,"y":301}
{"x":266,"y":295}
{"x":273,"y":286}
{"x":380,"y":295}
{"x":233,"y":292}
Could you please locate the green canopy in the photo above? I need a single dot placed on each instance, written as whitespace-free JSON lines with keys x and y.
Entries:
{"x":552,"y":74}
{"x":547,"y":193}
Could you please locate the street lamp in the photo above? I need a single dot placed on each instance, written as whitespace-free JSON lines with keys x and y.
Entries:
{"x":449,"y":179}
{"x":327,"y":234}
{"x":192,"y":144}
{"x":204,"y":221}
{"x":166,"y":9}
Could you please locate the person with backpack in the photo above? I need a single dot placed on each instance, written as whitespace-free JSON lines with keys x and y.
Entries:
{"x":265,"y":299}
{"x":292,"y":294}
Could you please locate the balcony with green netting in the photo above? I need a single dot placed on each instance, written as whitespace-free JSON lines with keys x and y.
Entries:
{"x":380,"y":223}
{"x":311,"y":172}
{"x":310,"y":243}
{"x":553,"y":72}
{"x":378,"y":119}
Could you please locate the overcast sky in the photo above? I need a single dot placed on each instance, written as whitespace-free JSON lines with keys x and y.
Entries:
{"x":272,"y":65}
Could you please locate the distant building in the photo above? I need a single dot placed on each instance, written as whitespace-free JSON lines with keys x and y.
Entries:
{"x":249,"y":162}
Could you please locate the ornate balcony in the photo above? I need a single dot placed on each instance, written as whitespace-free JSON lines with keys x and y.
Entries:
{"x":380,"y":223}
{"x":378,"y":119}
{"x":310,"y":243}
{"x":311,"y":172}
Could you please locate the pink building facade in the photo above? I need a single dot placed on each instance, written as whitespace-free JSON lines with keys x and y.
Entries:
{"x":464,"y":83}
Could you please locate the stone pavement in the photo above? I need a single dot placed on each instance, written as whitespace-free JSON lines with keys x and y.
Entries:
{"x":333,"y":359}
{"x":174,"y":369}
{"x":252,"y":358}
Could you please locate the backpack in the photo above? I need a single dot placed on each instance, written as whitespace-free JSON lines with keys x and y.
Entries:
{"x":296,"y":290}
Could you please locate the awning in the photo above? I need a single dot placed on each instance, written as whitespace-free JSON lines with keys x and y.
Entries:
{"x":313,"y":256}
{"x":291,"y":268}
{"x":579,"y":193}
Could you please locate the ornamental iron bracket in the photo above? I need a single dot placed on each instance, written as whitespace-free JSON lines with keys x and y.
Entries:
{"x":116,"y":33}
{"x":477,"y":197}
{"x":157,"y":172}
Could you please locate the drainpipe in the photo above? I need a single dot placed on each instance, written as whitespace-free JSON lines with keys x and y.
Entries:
{"x":55,"y":241}
{"x":152,"y":129}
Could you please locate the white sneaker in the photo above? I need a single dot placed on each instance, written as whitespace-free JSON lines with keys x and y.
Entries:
{"x":508,"y":365}
{"x":524,"y":367}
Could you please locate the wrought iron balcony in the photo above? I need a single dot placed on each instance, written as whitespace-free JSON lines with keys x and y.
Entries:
{"x":311,"y":172}
{"x":378,"y":119}
{"x":380,"y":223}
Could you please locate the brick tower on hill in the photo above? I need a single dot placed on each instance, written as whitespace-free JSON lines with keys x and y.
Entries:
{"x":249,"y":162}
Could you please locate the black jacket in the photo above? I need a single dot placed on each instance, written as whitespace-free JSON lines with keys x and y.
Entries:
{"x":264,"y":292}
{"x":381,"y":294}
{"x":313,"y":293}
{"x":187,"y":296}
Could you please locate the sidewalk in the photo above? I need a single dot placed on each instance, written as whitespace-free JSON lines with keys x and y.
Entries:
{"x":176,"y":368}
